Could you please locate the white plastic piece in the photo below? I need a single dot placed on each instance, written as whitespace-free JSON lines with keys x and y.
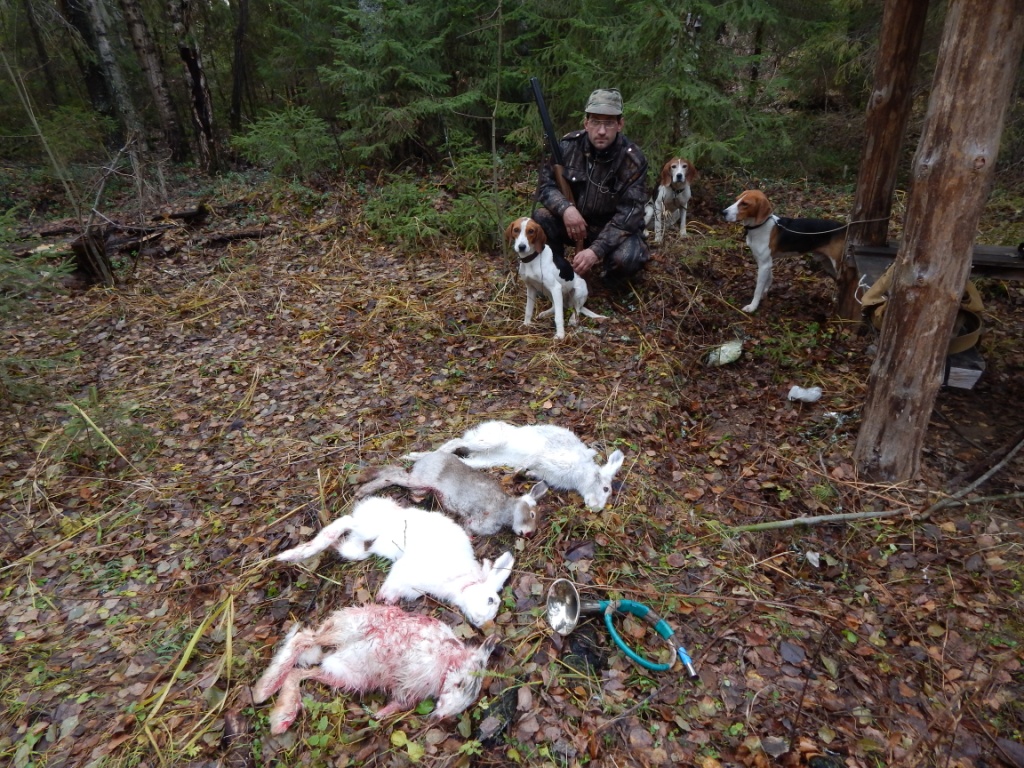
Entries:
{"x":727,"y":353}
{"x":805,"y":395}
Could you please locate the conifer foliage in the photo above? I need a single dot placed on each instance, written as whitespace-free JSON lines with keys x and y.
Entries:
{"x":390,"y":80}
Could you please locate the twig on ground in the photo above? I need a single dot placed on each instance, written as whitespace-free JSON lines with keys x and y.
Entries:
{"x":879,"y":515}
{"x":955,"y":500}
{"x":999,"y":465}
{"x":819,"y":519}
{"x":645,"y":700}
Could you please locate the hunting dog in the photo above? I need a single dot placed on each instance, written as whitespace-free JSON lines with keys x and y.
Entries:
{"x":543,"y":274}
{"x":669,"y":204}
{"x":769,"y":236}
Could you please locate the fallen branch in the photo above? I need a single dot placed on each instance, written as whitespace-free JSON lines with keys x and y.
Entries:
{"x":981,"y":465}
{"x":195,"y":216}
{"x":131,"y":229}
{"x":999,"y":465}
{"x":955,"y":500}
{"x":796,"y":521}
{"x":877,"y":515}
{"x":60,"y":228}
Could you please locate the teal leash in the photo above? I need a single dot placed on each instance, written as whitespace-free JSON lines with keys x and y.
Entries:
{"x":641,"y":611}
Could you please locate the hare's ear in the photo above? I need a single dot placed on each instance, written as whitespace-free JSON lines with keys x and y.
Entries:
{"x":539,"y":490}
{"x":614,"y":462}
{"x":496,"y":575}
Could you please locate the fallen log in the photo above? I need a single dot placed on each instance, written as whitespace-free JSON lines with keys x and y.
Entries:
{"x":193,"y":217}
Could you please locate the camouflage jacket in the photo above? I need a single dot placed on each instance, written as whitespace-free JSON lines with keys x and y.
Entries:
{"x":610,"y":188}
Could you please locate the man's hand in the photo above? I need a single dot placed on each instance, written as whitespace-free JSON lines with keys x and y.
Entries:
{"x":576,"y":228}
{"x":575,"y":224}
{"x":584,"y":261}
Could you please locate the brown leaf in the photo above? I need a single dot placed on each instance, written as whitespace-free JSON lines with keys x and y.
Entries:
{"x":1013,"y":751}
{"x":791,"y":652}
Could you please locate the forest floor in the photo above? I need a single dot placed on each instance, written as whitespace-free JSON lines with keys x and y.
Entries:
{"x":165,"y":438}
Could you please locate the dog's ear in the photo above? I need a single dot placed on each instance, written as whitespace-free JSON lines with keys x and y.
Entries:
{"x":510,"y":233}
{"x":666,"y":173}
{"x":754,"y":206}
{"x":761,"y":209}
{"x":537,"y":235}
{"x":691,"y":172}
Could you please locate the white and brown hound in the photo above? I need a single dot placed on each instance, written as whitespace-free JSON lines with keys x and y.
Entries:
{"x":541,"y":272}
{"x":769,"y":235}
{"x":669,"y":205}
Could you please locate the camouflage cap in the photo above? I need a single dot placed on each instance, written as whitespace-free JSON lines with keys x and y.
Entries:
{"x":605,"y":101}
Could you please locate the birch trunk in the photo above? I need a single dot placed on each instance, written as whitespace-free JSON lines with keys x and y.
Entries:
{"x":116,"y":82}
{"x":152,"y":67}
{"x":76,"y":14}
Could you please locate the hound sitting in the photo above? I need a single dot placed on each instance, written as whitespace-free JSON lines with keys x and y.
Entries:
{"x":542,"y":273}
{"x":669,"y":205}
{"x":769,"y":235}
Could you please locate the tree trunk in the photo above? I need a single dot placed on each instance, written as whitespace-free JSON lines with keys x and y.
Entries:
{"x":44,"y":57}
{"x":152,"y":67}
{"x":238,"y":73}
{"x":755,"y":68}
{"x":123,"y":104}
{"x":75,"y":13}
{"x":899,"y":48}
{"x":952,"y":173}
{"x":199,"y":92}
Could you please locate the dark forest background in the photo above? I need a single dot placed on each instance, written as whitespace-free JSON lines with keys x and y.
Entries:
{"x":301,"y":89}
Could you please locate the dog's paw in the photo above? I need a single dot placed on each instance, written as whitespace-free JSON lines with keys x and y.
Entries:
{"x":750,"y":308}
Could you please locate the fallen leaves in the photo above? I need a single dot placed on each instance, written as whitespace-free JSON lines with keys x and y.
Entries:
{"x":266,"y":384}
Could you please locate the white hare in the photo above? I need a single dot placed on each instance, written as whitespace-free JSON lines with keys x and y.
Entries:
{"x":550,"y":453}
{"x":376,"y":647}
{"x":468,"y":493}
{"x":431,"y":555}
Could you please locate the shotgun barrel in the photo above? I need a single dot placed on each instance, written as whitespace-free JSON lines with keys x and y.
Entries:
{"x":558,"y":163}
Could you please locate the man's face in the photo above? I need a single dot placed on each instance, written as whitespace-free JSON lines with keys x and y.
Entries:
{"x":602,"y":129}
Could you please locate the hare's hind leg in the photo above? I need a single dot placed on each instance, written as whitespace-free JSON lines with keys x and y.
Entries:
{"x":289,"y":700}
{"x":384,"y":477}
{"x":328,"y":537}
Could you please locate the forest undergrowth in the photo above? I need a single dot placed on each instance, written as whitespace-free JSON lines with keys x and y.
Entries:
{"x":165,"y":437}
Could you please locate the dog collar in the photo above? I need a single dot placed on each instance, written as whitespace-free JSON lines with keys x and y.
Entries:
{"x":758,"y":226}
{"x":529,"y":258}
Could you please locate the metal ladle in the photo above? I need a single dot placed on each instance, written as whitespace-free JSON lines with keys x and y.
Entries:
{"x":564,"y":608}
